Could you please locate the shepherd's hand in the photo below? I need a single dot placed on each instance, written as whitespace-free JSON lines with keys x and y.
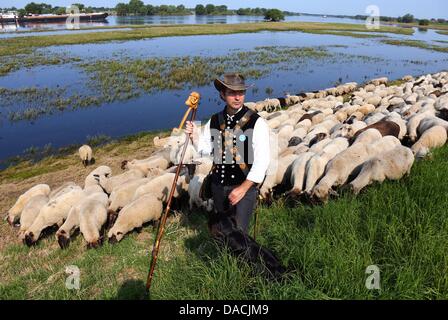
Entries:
{"x":190,"y":127}
{"x":239,"y":192}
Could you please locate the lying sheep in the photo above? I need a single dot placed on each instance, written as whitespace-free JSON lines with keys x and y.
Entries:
{"x":30,"y":212}
{"x":434,"y":137}
{"x":13,"y":214}
{"x":414,"y":122}
{"x":53,"y":213}
{"x":194,"y":189}
{"x":109,"y":183}
{"x":393,"y":165}
{"x":85,"y":153}
{"x":144,"y":209}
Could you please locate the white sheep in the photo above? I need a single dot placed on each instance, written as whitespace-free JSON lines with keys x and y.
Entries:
{"x":30,"y":212}
{"x":146,"y":165}
{"x":298,"y":172}
{"x":92,"y":217}
{"x":85,"y":153}
{"x":93,"y":178}
{"x":316,"y":165}
{"x":339,"y":169}
{"x":123,"y":194}
{"x":72,"y":222}
{"x":369,"y":136}
{"x":53,"y":213}
{"x":144,"y":209}
{"x":279,"y":176}
{"x":393,"y":165}
{"x":430,"y":122}
{"x":109,"y":183}
{"x":434,"y":137}
{"x":414,"y":122}
{"x":160,"y":187}
{"x":194,"y":189}
{"x":14,"y":213}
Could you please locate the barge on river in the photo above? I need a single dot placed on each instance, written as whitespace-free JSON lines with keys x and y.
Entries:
{"x":48,"y":18}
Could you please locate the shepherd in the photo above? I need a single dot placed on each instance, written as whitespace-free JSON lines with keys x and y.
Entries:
{"x":238,"y":139}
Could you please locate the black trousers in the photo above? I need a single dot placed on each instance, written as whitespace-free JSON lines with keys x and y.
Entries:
{"x":229,"y":225}
{"x":243,"y":209}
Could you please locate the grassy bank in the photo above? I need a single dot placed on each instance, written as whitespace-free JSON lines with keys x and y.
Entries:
{"x":18,"y":45}
{"x":416,"y":44}
{"x":399,"y":226}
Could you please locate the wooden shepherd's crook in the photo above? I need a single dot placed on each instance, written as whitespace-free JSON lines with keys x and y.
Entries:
{"x":192,"y":103}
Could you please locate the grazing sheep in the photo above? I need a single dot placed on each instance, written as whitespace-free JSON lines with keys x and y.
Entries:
{"x":368,"y":136}
{"x":385,"y":127}
{"x":279,"y":176}
{"x":160,"y":187}
{"x":86,"y":206}
{"x":298,"y":172}
{"x":30,"y":212}
{"x":315,"y":167}
{"x":53,"y":213}
{"x":124,"y":193}
{"x":146,"y":165}
{"x":144,"y":209}
{"x":414,"y":122}
{"x":430,"y":122}
{"x":339,"y":169}
{"x":13,"y":214}
{"x":67,"y":186}
{"x":92,"y":217}
{"x":109,"y":184}
{"x":194,"y":189}
{"x":434,"y":137}
{"x":393,"y":165}
{"x":93,"y":178}
{"x":85,"y":153}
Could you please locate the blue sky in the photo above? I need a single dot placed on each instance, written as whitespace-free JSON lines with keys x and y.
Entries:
{"x":419,"y":8}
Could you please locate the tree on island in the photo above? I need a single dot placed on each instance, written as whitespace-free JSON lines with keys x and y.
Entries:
{"x":423,"y":22}
{"x":407,"y":18}
{"x":274,"y":15}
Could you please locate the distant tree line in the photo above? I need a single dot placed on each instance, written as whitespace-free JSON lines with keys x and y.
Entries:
{"x":137,"y":7}
{"x":43,"y":8}
{"x":407,"y":18}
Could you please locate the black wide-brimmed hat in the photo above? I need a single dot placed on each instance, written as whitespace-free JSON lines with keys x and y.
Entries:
{"x":233,"y":81}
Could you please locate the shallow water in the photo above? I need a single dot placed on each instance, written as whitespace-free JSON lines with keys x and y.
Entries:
{"x":153,"y":20}
{"x":165,"y":109}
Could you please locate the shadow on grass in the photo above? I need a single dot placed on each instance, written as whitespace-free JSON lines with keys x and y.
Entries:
{"x":132,"y":290}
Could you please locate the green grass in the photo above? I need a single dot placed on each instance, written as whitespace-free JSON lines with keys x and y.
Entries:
{"x":416,"y":44}
{"x":19,"y":45}
{"x":399,"y":226}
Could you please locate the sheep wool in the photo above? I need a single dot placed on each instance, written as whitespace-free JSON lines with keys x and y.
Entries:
{"x":134,"y":215}
{"x":16,"y":210}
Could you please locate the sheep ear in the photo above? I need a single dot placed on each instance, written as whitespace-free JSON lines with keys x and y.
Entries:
{"x":333,"y":193}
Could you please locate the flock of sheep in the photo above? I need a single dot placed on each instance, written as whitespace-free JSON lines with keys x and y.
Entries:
{"x":322,"y":143}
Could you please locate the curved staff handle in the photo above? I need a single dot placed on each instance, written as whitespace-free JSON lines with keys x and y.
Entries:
{"x":192,"y":103}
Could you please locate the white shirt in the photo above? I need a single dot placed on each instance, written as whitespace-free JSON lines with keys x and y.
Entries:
{"x":260,"y":145}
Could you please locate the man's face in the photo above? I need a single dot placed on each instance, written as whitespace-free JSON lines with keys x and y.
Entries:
{"x":234,"y":99}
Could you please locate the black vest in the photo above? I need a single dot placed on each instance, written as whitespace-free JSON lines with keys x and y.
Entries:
{"x":227,"y":169}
